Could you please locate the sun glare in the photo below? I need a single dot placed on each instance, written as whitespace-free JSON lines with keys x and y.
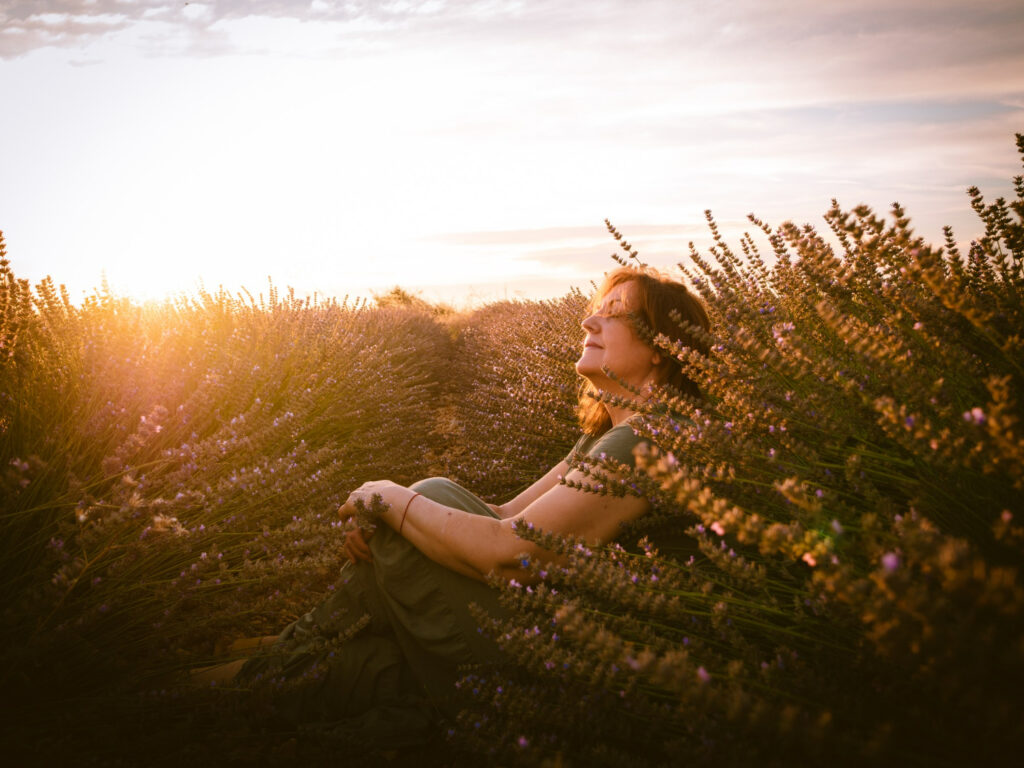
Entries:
{"x":346,"y":155}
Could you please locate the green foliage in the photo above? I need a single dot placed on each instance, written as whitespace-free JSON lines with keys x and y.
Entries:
{"x":831,"y":571}
{"x":509,"y":414}
{"x":174,"y":471}
{"x":401,"y":298}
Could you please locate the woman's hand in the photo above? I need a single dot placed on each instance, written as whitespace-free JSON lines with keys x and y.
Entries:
{"x":357,"y":540}
{"x":356,"y":545}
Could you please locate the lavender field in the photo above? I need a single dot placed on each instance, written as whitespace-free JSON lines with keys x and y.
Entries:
{"x":831,"y":573}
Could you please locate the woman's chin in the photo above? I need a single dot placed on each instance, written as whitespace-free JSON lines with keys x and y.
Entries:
{"x":586,"y":371}
{"x":589,"y":363}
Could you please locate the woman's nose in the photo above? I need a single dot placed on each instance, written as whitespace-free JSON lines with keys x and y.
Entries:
{"x":590,"y":323}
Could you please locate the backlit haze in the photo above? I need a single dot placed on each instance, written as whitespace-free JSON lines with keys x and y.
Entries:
{"x":471,"y":149}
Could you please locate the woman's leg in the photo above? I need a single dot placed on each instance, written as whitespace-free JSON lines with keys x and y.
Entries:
{"x":451,"y":494}
{"x":223,"y":673}
{"x":338,"y":660}
{"x":399,"y":619}
{"x":352,"y":607}
{"x":217,"y":674}
{"x":250,"y":646}
{"x":428,"y":605}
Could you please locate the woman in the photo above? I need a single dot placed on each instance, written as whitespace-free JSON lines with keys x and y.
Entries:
{"x":399,"y":624}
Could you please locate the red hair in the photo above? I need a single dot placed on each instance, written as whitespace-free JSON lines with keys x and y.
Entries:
{"x":657,"y":297}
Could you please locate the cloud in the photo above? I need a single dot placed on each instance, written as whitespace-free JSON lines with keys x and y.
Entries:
{"x":546,"y":235}
{"x":727,"y":66}
{"x":29,"y":25}
{"x":573,"y":255}
{"x":916,"y":35}
{"x":522,"y":123}
{"x":25,"y":27}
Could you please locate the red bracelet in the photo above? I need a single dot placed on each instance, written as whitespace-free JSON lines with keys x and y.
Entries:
{"x":406,"y":512}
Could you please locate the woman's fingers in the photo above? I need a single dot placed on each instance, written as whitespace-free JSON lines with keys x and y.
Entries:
{"x":355,"y":540}
{"x":351,"y":553}
{"x":359,"y":541}
{"x":356,"y":547}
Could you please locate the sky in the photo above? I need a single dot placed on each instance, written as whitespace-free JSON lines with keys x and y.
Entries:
{"x":470,"y":150}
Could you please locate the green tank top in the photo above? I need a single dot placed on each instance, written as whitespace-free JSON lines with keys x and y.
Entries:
{"x":617,"y":443}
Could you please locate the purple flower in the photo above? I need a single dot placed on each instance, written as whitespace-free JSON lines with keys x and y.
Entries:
{"x":890,"y":561}
{"x":975,"y":416}
{"x":703,"y":675}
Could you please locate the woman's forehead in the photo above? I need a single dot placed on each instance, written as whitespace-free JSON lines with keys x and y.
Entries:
{"x":623,"y":293}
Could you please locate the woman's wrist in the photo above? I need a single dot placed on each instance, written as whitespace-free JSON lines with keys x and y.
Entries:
{"x":405,"y":512}
{"x":398,"y":499}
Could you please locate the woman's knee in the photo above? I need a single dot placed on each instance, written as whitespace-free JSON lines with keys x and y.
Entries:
{"x":435,"y":488}
{"x":451,"y":494}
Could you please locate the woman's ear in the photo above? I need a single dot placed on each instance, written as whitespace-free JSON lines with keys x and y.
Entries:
{"x":656,"y":360}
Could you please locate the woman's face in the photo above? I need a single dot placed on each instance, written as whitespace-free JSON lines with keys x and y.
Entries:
{"x":611,"y":343}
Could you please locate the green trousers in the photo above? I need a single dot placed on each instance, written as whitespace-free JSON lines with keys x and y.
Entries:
{"x":384,"y":650}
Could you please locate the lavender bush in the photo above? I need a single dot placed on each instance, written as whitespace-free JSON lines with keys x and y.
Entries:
{"x":171,"y":473}
{"x":830,"y":573}
{"x":832,"y":569}
{"x":509,"y":413}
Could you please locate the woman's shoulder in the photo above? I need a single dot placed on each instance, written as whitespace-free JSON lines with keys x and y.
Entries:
{"x":616,"y":443}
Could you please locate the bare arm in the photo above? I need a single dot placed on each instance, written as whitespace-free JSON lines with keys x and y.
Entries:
{"x":539,"y":488}
{"x":476,"y":546}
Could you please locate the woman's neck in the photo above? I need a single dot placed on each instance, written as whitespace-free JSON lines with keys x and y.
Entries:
{"x":618,"y":414}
